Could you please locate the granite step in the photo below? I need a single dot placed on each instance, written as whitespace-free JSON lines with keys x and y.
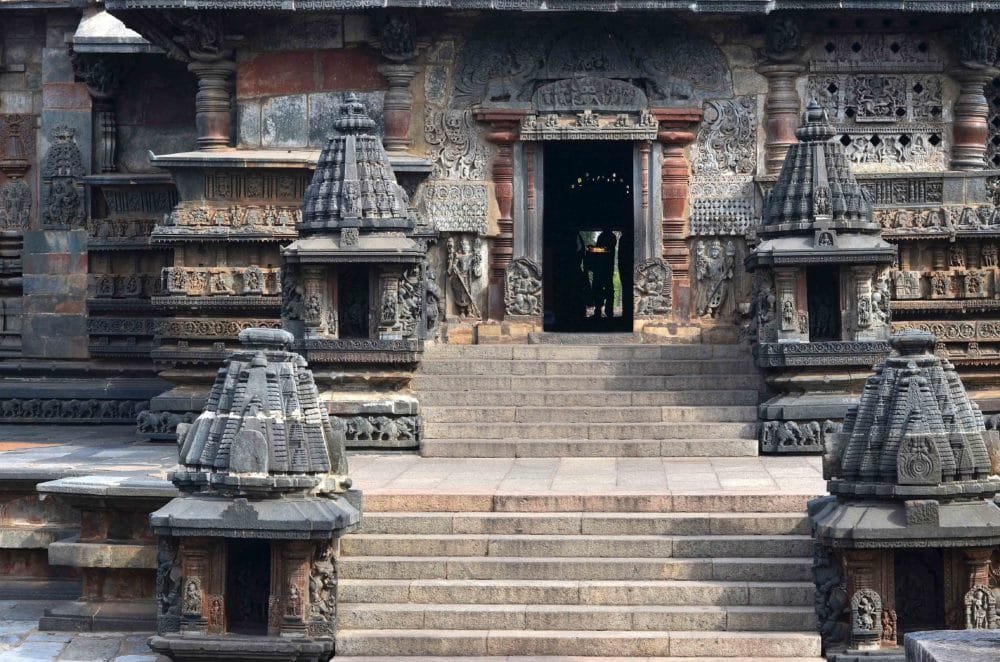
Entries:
{"x":680,"y":448}
{"x":638,"y":367}
{"x":469,"y":507}
{"x":594,"y":414}
{"x":593,"y":351}
{"x":632,"y":530}
{"x":556,"y":429}
{"x":357,"y":616}
{"x":568,"y":642}
{"x":611,"y":546}
{"x":561,"y":658}
{"x":635,"y":592}
{"x":423,"y":382}
{"x":574,"y":398}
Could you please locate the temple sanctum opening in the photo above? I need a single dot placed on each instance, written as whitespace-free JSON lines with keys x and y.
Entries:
{"x":588,"y":236}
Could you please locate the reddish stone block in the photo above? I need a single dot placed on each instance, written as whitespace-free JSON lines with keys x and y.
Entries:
{"x":271,"y":74}
{"x":65,"y":96}
{"x":350,"y":69}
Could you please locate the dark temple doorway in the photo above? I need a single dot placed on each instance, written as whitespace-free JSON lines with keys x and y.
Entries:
{"x":823,"y":294}
{"x":587,"y":236}
{"x":248,"y":581}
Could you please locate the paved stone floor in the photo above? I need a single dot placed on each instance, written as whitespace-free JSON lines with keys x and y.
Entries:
{"x":50,"y":452}
{"x":379,"y":474}
{"x":20,"y":640}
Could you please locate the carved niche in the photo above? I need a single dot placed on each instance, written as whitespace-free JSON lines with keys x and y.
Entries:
{"x":15,"y":193}
{"x":714,"y":267}
{"x":866,"y":619}
{"x":62,"y":173}
{"x":523,"y":288}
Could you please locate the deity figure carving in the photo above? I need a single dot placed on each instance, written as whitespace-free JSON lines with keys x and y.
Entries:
{"x":192,"y":596}
{"x":653,"y":287}
{"x":956,"y":257}
{"x":990,"y":255}
{"x":523,"y":288}
{"x":465,"y":266}
{"x":980,"y":609}
{"x":715,"y":273}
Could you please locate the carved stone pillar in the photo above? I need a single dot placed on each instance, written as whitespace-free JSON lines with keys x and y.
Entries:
{"x":781,"y":112}
{"x":103,"y":76}
{"x":971,"y":112}
{"x":398,"y":105}
{"x":503,"y":133}
{"x":675,"y":134}
{"x":213,"y":103}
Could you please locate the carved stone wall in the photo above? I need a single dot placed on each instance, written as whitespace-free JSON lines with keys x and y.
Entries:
{"x":886,"y":94}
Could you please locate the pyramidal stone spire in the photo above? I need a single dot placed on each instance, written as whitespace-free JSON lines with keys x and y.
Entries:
{"x":264,"y":431}
{"x":914,"y":434}
{"x":354,"y":185}
{"x":816,"y":184}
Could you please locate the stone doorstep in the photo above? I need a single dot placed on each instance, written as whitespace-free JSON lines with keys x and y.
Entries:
{"x":576,"y":448}
{"x":31,"y":589}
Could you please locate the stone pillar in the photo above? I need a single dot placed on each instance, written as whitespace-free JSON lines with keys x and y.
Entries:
{"x":103,"y":75}
{"x":398,"y":106}
{"x":970,"y":130}
{"x":781,"y":112}
{"x":676,"y":132}
{"x":503,"y":133}
{"x":214,"y":102}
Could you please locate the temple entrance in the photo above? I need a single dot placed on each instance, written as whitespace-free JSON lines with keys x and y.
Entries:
{"x":587,"y":235}
{"x":248,"y":581}
{"x":823,"y":292}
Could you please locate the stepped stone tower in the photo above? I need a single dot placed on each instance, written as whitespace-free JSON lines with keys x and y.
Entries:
{"x":912,"y":520}
{"x":821,"y":292}
{"x":250,"y":547}
{"x":355,"y":286}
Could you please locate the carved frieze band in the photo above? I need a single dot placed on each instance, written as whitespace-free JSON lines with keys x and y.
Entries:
{"x":796,"y":436}
{"x":254,"y":186}
{"x":589,"y":125}
{"x":207,"y":281}
{"x":947,"y":221}
{"x":210,"y":329}
{"x":199,"y":219}
{"x":34,"y":410}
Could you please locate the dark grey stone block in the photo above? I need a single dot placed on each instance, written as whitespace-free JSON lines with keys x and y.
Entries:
{"x":56,"y":66}
{"x":249,"y":123}
{"x":323,"y":108}
{"x":55,"y":241}
{"x":283,"y":122}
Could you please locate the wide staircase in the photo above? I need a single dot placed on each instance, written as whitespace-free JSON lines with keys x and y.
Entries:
{"x":688,"y":577}
{"x":617,"y":400}
{"x":693,"y":576}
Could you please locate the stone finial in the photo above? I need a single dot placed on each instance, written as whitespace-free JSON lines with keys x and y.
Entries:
{"x":264,"y":430}
{"x":354,"y":185}
{"x":915,"y":434}
{"x":816,"y":184}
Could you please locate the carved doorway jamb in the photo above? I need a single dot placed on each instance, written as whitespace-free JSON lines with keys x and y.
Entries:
{"x":677,"y":130}
{"x":503,"y":132}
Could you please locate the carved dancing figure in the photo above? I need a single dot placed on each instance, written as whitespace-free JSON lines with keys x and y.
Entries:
{"x":464,"y":267}
{"x":715,"y":272}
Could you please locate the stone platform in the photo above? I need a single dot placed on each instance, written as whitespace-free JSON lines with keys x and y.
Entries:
{"x":690,"y":528}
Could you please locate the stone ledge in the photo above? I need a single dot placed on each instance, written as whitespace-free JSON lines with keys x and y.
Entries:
{"x":102,"y":555}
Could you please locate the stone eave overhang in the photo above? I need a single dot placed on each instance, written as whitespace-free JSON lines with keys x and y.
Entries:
{"x":270,"y":159}
{"x":822,"y":353}
{"x":758,"y":7}
{"x":44,"y":4}
{"x":807,"y":257}
{"x":881,"y":524}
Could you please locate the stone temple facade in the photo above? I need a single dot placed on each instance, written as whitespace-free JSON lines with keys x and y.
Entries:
{"x":353,"y":183}
{"x":156,"y":156}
